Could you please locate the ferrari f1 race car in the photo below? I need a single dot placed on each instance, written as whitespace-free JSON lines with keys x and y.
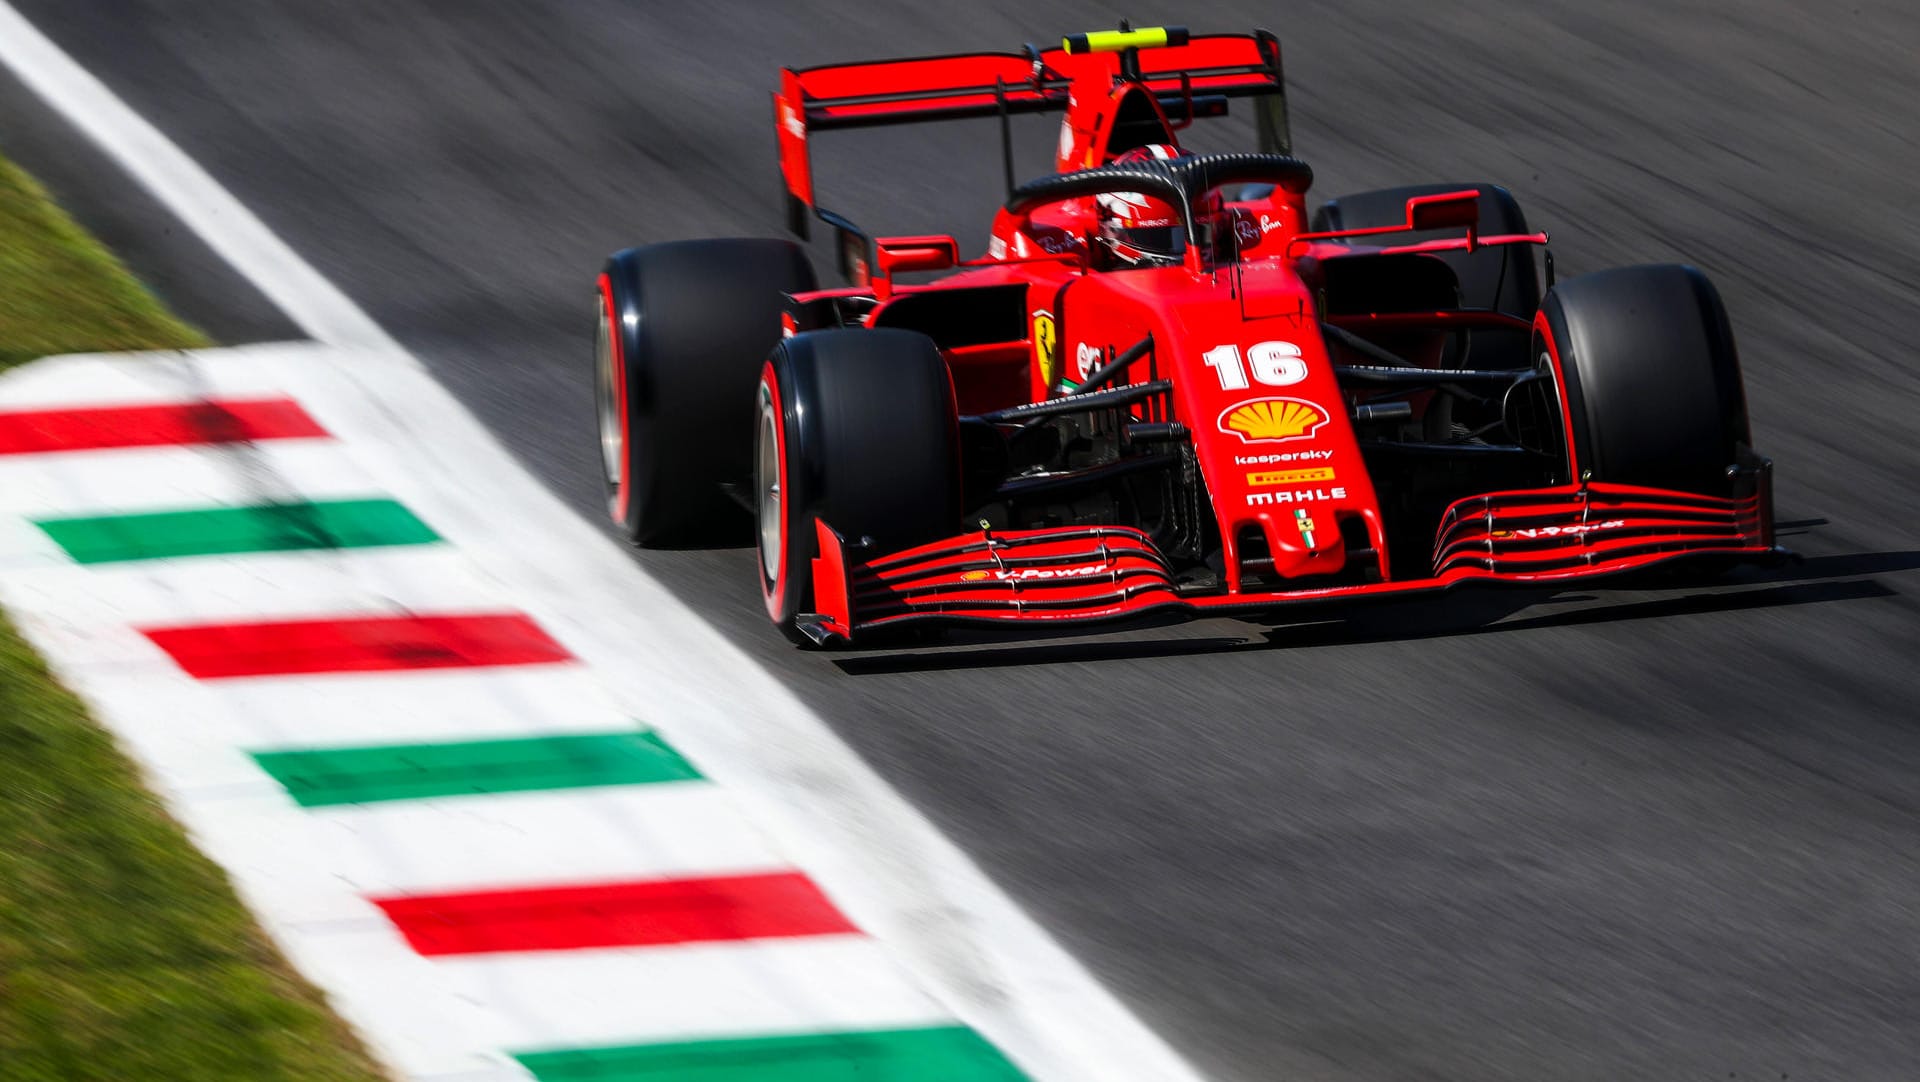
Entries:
{"x":1163,"y":387}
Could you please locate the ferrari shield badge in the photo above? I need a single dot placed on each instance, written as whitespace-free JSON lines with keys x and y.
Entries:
{"x":1046,"y":347}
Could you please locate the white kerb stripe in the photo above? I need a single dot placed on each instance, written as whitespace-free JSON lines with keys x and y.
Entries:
{"x":542,"y":1000}
{"x":664,"y":830}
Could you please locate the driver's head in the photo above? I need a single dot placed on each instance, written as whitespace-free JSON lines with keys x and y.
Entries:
{"x":1140,"y":230}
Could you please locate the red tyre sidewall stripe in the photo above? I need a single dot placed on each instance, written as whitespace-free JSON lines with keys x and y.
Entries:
{"x":622,"y":491}
{"x":775,"y":592}
{"x":1541,"y":328}
{"x":953,"y":430}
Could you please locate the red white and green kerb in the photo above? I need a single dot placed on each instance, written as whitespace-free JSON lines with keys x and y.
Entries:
{"x":721,"y":920}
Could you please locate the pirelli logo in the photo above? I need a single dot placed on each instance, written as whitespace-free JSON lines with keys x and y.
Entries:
{"x":1289,"y":477}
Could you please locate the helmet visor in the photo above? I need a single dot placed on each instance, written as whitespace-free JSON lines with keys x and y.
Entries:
{"x":1168,"y":240}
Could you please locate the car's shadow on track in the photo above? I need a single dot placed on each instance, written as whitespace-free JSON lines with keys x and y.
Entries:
{"x":1468,"y":612}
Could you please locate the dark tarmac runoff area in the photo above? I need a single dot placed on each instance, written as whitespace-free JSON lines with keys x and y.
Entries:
{"x":1606,"y":833}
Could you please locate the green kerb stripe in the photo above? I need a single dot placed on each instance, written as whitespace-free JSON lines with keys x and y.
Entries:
{"x":940,"y":1054}
{"x":415,"y":771}
{"x":273,"y":527}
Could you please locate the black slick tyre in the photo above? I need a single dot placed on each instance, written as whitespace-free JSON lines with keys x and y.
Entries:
{"x":856,"y":428}
{"x":682,"y":331}
{"x":1652,"y":380}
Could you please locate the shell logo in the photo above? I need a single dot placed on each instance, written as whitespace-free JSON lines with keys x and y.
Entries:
{"x":1273,"y":419}
{"x":974,"y":576}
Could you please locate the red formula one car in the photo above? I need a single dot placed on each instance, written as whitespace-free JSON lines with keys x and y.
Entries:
{"x":1162,"y":388}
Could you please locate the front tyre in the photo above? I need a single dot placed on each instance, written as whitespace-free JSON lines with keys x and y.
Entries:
{"x":1646,"y":360}
{"x":682,"y":329}
{"x":856,"y":428}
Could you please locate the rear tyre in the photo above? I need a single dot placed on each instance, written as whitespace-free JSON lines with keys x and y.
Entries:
{"x":858,"y":429}
{"x":682,"y":331}
{"x":1652,"y":380}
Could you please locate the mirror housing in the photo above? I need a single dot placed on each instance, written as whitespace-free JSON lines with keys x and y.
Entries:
{"x":915,"y":254}
{"x":1439,"y":211}
{"x":1444,"y":210}
{"x":893,"y":254}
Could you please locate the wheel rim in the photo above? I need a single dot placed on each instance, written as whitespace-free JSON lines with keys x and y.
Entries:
{"x":613,"y":446}
{"x":766,"y":483}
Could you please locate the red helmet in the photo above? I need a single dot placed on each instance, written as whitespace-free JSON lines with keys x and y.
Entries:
{"x":1152,"y":152}
{"x":1142,"y":230}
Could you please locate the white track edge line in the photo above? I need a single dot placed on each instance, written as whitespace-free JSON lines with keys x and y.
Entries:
{"x":315,"y":304}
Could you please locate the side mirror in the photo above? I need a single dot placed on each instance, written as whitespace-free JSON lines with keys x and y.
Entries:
{"x":915,"y":254}
{"x":854,"y":247}
{"x":856,"y":265}
{"x":1444,"y":210}
{"x":893,"y":254}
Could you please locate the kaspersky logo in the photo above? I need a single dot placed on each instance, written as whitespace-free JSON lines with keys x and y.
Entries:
{"x":1282,"y":456}
{"x":1273,"y":420}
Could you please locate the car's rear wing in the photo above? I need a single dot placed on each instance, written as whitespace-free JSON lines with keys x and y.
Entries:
{"x":1189,"y":75}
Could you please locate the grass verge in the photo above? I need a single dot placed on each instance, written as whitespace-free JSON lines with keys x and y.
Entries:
{"x":61,"y":292}
{"x":124,"y":953}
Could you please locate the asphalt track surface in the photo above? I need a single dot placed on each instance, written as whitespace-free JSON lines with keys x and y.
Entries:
{"x":1600,"y":834}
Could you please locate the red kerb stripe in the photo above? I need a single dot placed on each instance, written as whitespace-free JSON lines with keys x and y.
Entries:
{"x":100,"y":427}
{"x":362,"y":644}
{"x":646,"y":913}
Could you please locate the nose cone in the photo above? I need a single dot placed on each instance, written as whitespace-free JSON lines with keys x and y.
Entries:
{"x":1299,"y":524}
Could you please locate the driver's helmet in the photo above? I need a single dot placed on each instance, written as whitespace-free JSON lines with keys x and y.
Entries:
{"x":1138,"y":229}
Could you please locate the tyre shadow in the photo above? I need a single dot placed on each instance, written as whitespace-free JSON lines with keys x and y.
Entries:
{"x":1484,"y":611}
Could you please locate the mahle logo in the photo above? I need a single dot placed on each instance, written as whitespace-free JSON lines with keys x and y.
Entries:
{"x":1273,"y":420}
{"x":1310,"y":495}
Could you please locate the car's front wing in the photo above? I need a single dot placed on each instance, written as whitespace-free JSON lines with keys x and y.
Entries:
{"x":1077,"y":574}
